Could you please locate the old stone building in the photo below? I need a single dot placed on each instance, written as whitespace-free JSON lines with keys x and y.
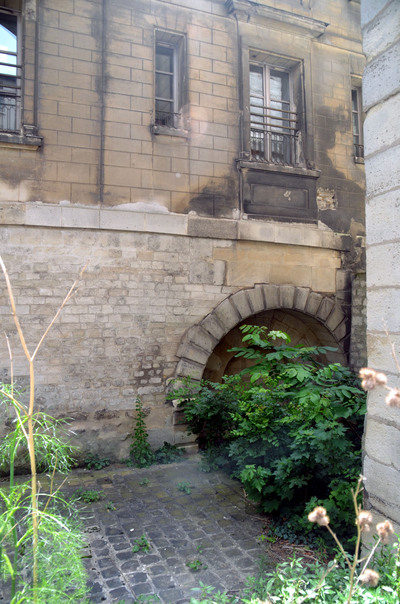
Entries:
{"x":206,"y":159}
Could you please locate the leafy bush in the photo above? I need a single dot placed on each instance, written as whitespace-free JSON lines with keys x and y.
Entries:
{"x":168,"y":453}
{"x":289,"y":427}
{"x":141,"y":454}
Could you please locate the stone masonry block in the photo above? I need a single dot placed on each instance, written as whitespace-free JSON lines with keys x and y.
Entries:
{"x":335,"y":318}
{"x":44,"y":215}
{"x":383,"y":481}
{"x":241,"y":302}
{"x":286,"y":295}
{"x":256,"y":299}
{"x":212,"y":325}
{"x":325,"y":308}
{"x":382,"y":443}
{"x":341,"y":331}
{"x":379,"y":37}
{"x":80,"y":217}
{"x":189,"y":368}
{"x":193,"y":353}
{"x":381,"y":76}
{"x":300,"y":298}
{"x":218,"y":229}
{"x":271,"y":296}
{"x":227,"y":315}
{"x":122,"y":220}
{"x":201,"y":338}
{"x":313,"y":302}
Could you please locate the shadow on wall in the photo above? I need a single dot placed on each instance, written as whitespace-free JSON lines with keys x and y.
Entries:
{"x":302,"y":329}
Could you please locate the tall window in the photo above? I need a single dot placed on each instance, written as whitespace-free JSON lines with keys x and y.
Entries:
{"x":10,"y":73}
{"x":273,"y":123}
{"x":169,"y":77}
{"x":358,"y":146}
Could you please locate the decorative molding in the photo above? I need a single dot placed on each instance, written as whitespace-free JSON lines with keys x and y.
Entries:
{"x":246,"y":10}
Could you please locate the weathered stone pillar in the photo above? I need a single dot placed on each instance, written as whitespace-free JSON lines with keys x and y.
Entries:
{"x":381,"y":98}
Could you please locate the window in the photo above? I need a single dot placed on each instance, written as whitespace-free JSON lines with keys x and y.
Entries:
{"x":356,"y":120}
{"x":169,"y":80}
{"x":273,"y":124}
{"x":10,"y":73}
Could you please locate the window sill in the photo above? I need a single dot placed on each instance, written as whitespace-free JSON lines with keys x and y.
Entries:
{"x":167,"y":131}
{"x":13,"y":140}
{"x":264,"y":167}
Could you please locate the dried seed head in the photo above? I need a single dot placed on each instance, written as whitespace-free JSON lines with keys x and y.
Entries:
{"x":368,"y":377}
{"x":319,"y":515}
{"x":381,"y":379}
{"x":369,"y":577}
{"x":384,"y":530}
{"x":364,"y":520}
{"x":393,"y":398}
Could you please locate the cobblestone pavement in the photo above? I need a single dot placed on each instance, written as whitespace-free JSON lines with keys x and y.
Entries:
{"x":185,"y":515}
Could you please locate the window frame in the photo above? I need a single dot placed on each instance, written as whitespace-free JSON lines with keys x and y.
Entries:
{"x":174,"y":122}
{"x":18,"y":78}
{"x":356,"y":118}
{"x":272,"y":135}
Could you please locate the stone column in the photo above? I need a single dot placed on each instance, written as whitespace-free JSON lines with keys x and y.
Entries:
{"x":381,"y":99}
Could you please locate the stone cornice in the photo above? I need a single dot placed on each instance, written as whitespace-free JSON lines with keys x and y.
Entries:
{"x":37,"y":214}
{"x":248,"y":11}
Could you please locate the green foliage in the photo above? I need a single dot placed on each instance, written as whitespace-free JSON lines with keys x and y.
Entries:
{"x":299,"y":582}
{"x":288,"y":427}
{"x":60,"y":573}
{"x":168,"y":453}
{"x":196,"y":565}
{"x":144,"y":482}
{"x":208,"y":406}
{"x":140,"y":450}
{"x":141,"y":545}
{"x":185,"y":487}
{"x":88,"y":496}
{"x":95,"y":462}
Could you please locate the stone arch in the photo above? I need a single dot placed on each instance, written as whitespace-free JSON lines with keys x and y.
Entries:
{"x":201,"y":339}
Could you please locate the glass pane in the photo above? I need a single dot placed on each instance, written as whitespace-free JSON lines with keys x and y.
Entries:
{"x":8,"y":42}
{"x":164,"y":59}
{"x":355,"y":124}
{"x":164,"y":86}
{"x":354,"y":100}
{"x":279,"y":85}
{"x":256,"y":80}
{"x":164,"y":107}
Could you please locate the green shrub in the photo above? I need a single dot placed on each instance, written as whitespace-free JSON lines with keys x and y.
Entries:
{"x":288,"y":427}
{"x":140,"y":451}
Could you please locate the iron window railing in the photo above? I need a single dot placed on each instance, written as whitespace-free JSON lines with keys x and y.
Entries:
{"x":166,"y":118}
{"x":10,"y":95}
{"x":272,"y":134}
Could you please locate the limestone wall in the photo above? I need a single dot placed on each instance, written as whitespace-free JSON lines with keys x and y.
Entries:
{"x":149,"y":280}
{"x":381,"y":88}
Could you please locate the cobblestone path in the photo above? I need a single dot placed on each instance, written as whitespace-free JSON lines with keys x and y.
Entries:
{"x":185,"y":515}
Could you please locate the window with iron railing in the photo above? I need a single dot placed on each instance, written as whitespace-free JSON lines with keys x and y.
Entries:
{"x":10,"y":74}
{"x":169,"y":80}
{"x":273,"y":123}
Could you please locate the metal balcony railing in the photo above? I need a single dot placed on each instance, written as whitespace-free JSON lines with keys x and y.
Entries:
{"x":168,"y":119}
{"x":10,"y":94}
{"x":359,"y":151}
{"x":272,"y":135}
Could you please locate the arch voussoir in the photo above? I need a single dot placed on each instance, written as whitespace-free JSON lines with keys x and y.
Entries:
{"x":200,"y":340}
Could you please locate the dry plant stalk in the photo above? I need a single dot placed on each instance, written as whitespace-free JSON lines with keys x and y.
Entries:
{"x":29,"y":434}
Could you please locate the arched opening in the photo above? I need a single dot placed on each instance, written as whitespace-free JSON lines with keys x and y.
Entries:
{"x":308,"y":317}
{"x":302,"y":329}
